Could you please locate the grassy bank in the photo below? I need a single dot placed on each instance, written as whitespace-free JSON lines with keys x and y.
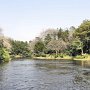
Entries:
{"x":84,"y":57}
{"x":19,"y":57}
{"x":53,"y":57}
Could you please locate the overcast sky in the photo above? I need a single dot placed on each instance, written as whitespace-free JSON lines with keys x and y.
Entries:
{"x":26,"y":19}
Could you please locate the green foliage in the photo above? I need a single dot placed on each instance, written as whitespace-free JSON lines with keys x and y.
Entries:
{"x":47,"y":39}
{"x":37,"y":55}
{"x":61,"y":55}
{"x":63,"y":34}
{"x":4,"y":55}
{"x":55,"y":56}
{"x":77,"y":44}
{"x":40,"y":55}
{"x":39,"y":47}
{"x":60,"y":33}
{"x":73,"y":41}
{"x":20,"y":48}
{"x":81,"y":56}
{"x":83,"y":31}
{"x":43,"y":55}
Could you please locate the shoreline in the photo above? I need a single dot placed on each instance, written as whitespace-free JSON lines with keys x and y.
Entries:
{"x":74,"y":59}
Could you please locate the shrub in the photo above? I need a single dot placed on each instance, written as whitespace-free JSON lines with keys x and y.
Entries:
{"x":43,"y":55}
{"x":4,"y":55}
{"x":80,"y":57}
{"x":61,"y":55}
{"x":37,"y":55}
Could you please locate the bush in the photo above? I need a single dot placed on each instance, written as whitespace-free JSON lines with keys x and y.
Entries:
{"x":43,"y":55}
{"x":55,"y":56}
{"x":4,"y":55}
{"x":80,"y":57}
{"x":61,"y":55}
{"x":37,"y":55}
{"x":40,"y":55}
{"x":26,"y":54}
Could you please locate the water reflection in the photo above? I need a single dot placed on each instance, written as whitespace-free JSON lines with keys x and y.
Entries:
{"x":85,"y":63}
{"x":43,"y":75}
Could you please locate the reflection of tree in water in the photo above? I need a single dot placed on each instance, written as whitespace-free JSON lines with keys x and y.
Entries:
{"x":53,"y":66}
{"x":56,"y":68}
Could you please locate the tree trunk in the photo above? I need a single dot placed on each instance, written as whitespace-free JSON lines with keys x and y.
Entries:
{"x":56,"y":52}
{"x":82,"y":51}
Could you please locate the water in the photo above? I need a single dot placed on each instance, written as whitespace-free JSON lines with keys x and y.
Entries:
{"x":27,"y":74}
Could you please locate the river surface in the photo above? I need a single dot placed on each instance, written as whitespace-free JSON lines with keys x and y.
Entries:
{"x":24,"y":74}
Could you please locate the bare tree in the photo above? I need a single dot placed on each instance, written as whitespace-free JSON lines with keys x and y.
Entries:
{"x":57,"y":45}
{"x":6,"y":42}
{"x":51,"y":32}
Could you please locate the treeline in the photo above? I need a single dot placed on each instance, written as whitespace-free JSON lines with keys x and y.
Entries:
{"x":10,"y":48}
{"x":71,"y":41}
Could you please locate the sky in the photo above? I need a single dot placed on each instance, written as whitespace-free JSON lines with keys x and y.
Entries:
{"x":26,"y":19}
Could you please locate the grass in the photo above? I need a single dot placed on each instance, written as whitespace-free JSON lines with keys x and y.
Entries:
{"x":82,"y":57}
{"x":49,"y":57}
{"x":64,"y":56}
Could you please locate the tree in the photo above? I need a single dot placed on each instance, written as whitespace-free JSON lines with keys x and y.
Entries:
{"x":60,"y":33}
{"x":83,"y":32}
{"x":20,"y":48}
{"x":47,"y":39}
{"x":5,"y":42}
{"x":39,"y":47}
{"x":63,"y":34}
{"x":57,"y":45}
{"x":71,"y":33}
{"x":52,"y":33}
{"x":32,"y":43}
{"x":4,"y":55}
{"x":77,"y":46}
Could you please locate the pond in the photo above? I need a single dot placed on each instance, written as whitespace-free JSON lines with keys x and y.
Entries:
{"x":25,"y":74}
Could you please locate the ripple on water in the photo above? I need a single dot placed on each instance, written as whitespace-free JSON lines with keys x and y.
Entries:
{"x":43,"y":75}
